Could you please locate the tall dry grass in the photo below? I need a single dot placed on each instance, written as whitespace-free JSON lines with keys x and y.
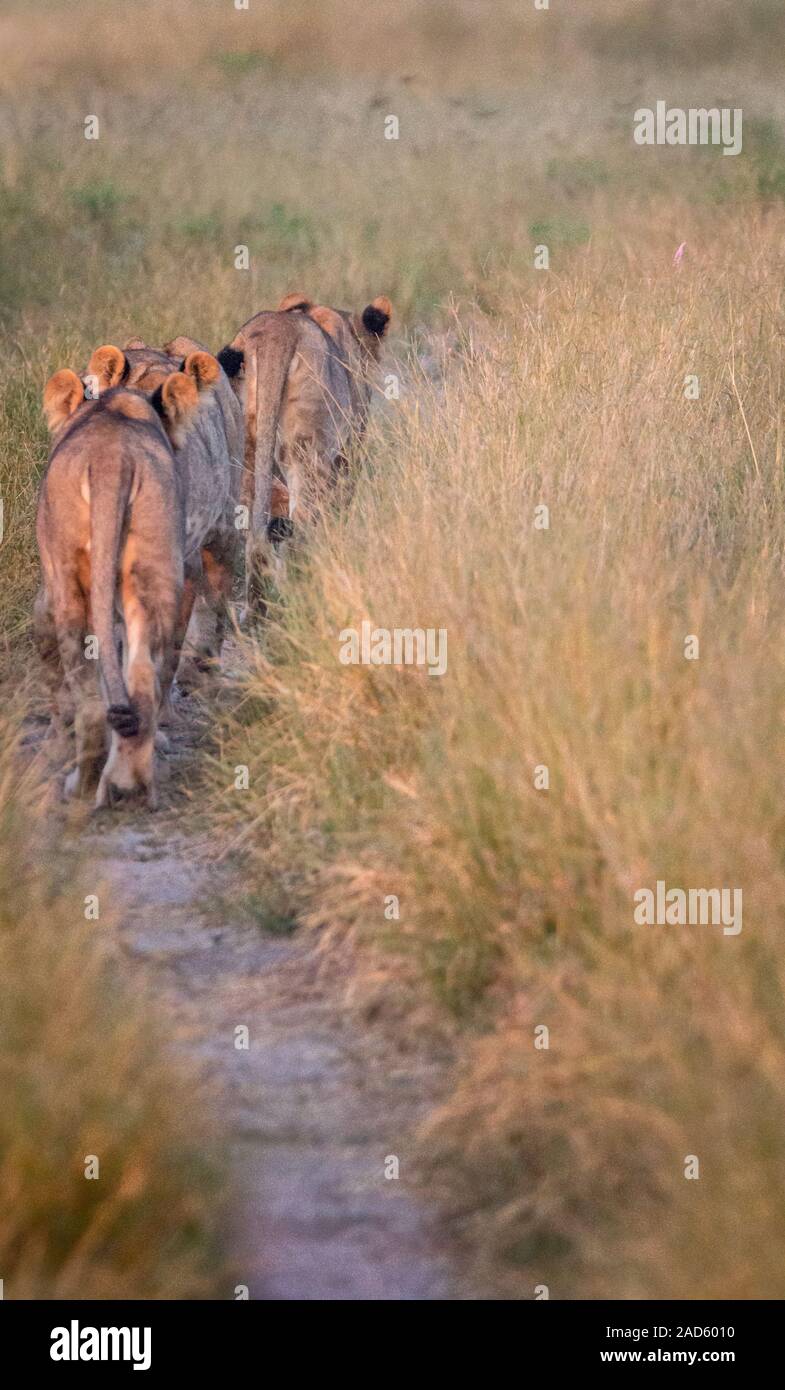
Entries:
{"x":85,"y":1071}
{"x":454,"y":43}
{"x":566,"y":650}
{"x":265,"y":128}
{"x":135,"y":233}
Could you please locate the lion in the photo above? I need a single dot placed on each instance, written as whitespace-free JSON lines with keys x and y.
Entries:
{"x":111,"y":536}
{"x":358,"y":338}
{"x":210,"y":467}
{"x":303,"y":372}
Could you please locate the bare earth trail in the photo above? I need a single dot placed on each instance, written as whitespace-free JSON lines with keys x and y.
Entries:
{"x":313,"y":1107}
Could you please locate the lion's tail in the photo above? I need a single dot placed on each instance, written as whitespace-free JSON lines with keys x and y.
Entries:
{"x":110,"y":490}
{"x":271,"y":358}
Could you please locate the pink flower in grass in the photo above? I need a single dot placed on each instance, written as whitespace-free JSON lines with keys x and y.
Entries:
{"x":678,"y":255}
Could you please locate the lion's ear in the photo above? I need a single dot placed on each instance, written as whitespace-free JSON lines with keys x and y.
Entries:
{"x":63,"y":393}
{"x":295,"y":301}
{"x":232,"y":360}
{"x":181,"y":346}
{"x":176,"y":400}
{"x":108,"y":366}
{"x":376,"y":316}
{"x":328,"y":319}
{"x":204,"y":369}
{"x":134,"y":344}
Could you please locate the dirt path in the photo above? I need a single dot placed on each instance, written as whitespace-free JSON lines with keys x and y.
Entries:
{"x":313,"y":1107}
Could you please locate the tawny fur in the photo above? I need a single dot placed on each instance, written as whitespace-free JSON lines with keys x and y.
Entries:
{"x":210,"y":471}
{"x":111,"y":532}
{"x":305,"y":384}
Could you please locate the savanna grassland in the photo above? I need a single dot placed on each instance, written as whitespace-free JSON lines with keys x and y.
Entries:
{"x":520,"y":388}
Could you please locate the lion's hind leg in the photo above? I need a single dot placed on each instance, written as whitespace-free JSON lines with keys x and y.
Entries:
{"x":149,"y":646}
{"x":80,"y":669}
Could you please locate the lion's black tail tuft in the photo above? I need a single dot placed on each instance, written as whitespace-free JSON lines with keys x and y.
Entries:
{"x":280,"y":528}
{"x":123,"y":719}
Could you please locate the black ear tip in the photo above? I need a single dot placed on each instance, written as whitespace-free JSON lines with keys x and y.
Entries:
{"x":375,"y":320}
{"x":157,"y":401}
{"x":231,"y":359}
